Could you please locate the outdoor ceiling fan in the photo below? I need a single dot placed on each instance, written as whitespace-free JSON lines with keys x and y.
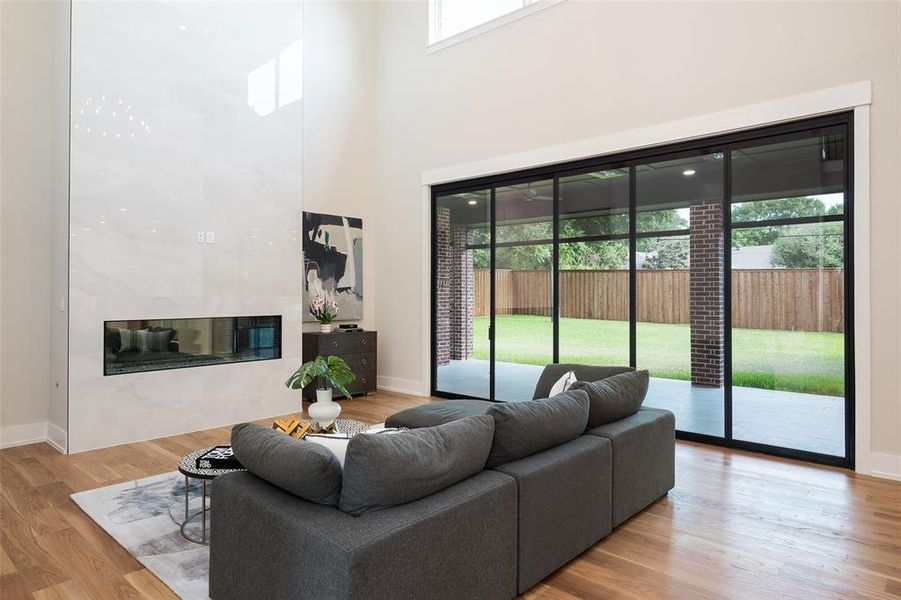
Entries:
{"x":530,"y":195}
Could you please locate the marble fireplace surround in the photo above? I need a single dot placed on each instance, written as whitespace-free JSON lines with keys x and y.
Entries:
{"x":185,"y":117}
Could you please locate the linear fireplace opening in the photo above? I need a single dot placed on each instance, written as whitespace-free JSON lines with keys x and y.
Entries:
{"x":134,"y":346}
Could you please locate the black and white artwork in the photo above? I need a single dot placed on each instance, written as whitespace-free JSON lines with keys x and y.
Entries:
{"x":333,"y":263}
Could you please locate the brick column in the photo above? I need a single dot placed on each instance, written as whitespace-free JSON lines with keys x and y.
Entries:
{"x":463,"y":293}
{"x":455,"y":290}
{"x":706,"y":283}
{"x":443,"y":270}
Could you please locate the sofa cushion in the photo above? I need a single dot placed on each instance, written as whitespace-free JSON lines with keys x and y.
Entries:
{"x":615,"y":397}
{"x":524,"y":428}
{"x":644,"y":459}
{"x":387,"y":470}
{"x":553,"y":372}
{"x":307,"y":470}
{"x":565,"y":382}
{"x":554,"y":486}
{"x":437,"y":413}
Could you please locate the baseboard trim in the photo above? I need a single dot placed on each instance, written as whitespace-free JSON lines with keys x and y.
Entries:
{"x":57,"y":438}
{"x":887,"y":466}
{"x":402,"y":386}
{"x":20,"y":435}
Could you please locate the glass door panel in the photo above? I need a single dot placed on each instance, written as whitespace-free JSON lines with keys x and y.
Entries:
{"x":679,"y":291}
{"x":594,"y":267}
{"x":523,"y":281}
{"x":788,"y":303}
{"x":462,"y":254}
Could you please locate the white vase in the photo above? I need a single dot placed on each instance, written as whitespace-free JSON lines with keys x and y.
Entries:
{"x":324,"y":410}
{"x":325,"y":328}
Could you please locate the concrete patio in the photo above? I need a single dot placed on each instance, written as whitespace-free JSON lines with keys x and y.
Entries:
{"x":800,"y":421}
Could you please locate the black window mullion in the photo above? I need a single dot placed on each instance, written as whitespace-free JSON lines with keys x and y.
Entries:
{"x":785,"y":221}
{"x":633,"y":295}
{"x":492,"y":305}
{"x":848,"y":211}
{"x":727,"y":296}
{"x":555,"y":282}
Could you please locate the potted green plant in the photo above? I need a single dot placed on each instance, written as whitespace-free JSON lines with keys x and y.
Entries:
{"x":325,"y":312}
{"x":327,"y":372}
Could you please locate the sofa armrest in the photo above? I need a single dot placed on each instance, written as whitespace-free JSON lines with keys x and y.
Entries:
{"x":268,"y":543}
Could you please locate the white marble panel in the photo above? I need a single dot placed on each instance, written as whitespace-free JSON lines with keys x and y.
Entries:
{"x":186,"y":117}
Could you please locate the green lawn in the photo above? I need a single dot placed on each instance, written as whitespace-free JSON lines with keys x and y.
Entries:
{"x":797,"y":361}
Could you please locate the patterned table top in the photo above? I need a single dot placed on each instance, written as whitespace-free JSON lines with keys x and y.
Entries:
{"x":187,"y":464}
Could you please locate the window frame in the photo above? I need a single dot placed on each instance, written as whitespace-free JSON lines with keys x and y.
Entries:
{"x":436,"y":42}
{"x":725,"y":142}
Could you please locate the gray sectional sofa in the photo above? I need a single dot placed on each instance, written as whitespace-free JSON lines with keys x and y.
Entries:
{"x":498,"y":497}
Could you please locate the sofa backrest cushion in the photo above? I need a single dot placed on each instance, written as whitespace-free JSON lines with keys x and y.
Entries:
{"x":386,"y":470}
{"x":524,"y":428}
{"x":307,"y":470}
{"x":554,"y":372}
{"x":437,"y":413}
{"x":615,"y":397}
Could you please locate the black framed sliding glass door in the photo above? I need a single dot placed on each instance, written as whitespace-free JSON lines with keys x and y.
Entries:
{"x":679,"y":287}
{"x":523,"y":331}
{"x":461,"y":262}
{"x":789,"y":263}
{"x":594,"y":299}
{"x":722,"y":266}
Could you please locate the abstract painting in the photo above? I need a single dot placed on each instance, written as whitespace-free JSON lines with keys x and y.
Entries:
{"x":333,"y":263}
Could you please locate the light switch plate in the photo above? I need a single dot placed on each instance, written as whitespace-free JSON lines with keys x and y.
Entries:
{"x":210,"y":237}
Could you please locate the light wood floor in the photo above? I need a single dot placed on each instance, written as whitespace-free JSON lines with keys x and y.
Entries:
{"x":737,"y":525}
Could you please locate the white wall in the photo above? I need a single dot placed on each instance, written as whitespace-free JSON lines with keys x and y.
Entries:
{"x":58,"y":414}
{"x":27,"y":138}
{"x":339,"y":123}
{"x":585,"y":69}
{"x":338,"y":147}
{"x":165,"y":143}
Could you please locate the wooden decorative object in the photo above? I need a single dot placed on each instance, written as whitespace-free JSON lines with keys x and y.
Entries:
{"x":292,"y":426}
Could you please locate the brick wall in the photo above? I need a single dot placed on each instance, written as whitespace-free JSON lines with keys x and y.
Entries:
{"x":463,"y":295}
{"x":706,"y":285}
{"x":455,"y":290}
{"x":443,"y":271}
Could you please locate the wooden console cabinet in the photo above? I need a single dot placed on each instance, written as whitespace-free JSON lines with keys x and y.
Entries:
{"x":358,"y":350}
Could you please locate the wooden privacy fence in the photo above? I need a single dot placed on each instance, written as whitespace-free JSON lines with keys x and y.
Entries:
{"x":780,"y":299}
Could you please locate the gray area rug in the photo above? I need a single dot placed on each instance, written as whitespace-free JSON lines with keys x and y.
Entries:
{"x":144,"y":517}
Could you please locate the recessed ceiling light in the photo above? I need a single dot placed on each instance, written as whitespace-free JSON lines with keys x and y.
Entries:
{"x":473,"y":202}
{"x":688,"y":172}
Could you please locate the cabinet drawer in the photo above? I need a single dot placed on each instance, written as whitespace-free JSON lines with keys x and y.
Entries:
{"x":364,"y":383}
{"x":347,"y":343}
{"x":360,"y":363}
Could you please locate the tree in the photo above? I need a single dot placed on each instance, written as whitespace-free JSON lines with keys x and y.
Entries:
{"x":657,"y":220}
{"x":669,"y":253}
{"x":813,"y":246}
{"x":764,"y":210}
{"x":594,"y":255}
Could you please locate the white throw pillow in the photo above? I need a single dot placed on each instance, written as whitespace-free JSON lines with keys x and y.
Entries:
{"x":337,"y":445}
{"x":562,"y":384}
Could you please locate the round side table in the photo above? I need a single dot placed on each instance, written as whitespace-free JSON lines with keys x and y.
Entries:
{"x":187,"y":467}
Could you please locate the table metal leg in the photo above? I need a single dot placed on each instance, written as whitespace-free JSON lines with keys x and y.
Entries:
{"x":187,"y":486}
{"x":203,"y":514}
